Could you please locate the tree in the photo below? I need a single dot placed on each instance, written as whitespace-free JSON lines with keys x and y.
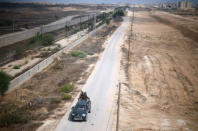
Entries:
{"x":4,"y":82}
{"x":107,"y":21}
{"x":118,"y":12}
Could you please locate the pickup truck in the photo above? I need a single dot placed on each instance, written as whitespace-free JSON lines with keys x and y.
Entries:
{"x":81,"y":109}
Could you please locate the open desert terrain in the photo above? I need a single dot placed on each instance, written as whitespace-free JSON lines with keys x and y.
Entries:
{"x":161,"y":92}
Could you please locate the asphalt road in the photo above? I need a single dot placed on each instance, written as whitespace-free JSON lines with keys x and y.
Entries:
{"x":71,"y":20}
{"x":101,"y":88}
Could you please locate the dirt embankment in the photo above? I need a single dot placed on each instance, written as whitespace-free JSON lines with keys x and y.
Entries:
{"x":41,"y":96}
{"x":161,"y":92}
{"x":187,"y":28}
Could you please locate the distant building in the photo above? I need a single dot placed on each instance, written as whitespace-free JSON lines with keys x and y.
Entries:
{"x":164,"y":6}
{"x":185,"y":5}
{"x":182,"y":5}
{"x":167,"y":5}
{"x":189,"y":5}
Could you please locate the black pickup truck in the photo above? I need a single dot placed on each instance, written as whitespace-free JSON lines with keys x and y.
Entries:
{"x":81,"y":109}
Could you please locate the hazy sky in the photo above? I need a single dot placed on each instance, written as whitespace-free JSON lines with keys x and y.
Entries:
{"x":99,"y":1}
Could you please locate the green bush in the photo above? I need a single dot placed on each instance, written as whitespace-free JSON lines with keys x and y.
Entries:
{"x":66,"y":96}
{"x":90,"y":53}
{"x":118,"y":12}
{"x":107,"y":21}
{"x":4,"y":82}
{"x":79,"y":54}
{"x":91,"y":26}
{"x":14,"y":115}
{"x":54,"y":101}
{"x":67,"y":88}
{"x":16,"y":67}
{"x":42,"y":39}
{"x":59,"y":46}
{"x":47,"y":39}
{"x":36,"y":39}
{"x":19,"y":52}
{"x":54,"y":50}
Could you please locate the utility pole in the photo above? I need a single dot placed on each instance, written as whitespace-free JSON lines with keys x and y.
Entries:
{"x":118,"y":109}
{"x":80,"y":23}
{"x":177,"y":4}
{"x":95,"y":23}
{"x":133,"y":10}
{"x":88,"y":20}
{"x":13,"y":24}
{"x":131,"y":34}
{"x":66,"y":28}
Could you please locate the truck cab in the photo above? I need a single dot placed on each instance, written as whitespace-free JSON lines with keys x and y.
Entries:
{"x":80,"y":110}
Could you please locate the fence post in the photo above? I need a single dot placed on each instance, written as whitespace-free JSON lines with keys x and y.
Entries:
{"x":118,"y":109}
{"x":41,"y":29}
{"x":80,"y":23}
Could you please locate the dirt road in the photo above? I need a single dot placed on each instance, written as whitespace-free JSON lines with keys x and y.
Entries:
{"x":101,"y":87}
{"x":162,"y":92}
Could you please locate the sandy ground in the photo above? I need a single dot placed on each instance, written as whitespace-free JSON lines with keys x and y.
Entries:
{"x":161,"y":92}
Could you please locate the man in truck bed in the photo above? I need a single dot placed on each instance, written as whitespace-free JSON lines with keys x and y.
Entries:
{"x":82,"y":108}
{"x":83,"y":96}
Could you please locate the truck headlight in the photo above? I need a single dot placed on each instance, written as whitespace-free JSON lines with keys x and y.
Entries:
{"x":73,"y":114}
{"x":83,"y":115}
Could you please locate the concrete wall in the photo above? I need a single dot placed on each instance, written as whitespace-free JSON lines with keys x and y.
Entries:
{"x":12,"y":38}
{"x":15,"y":83}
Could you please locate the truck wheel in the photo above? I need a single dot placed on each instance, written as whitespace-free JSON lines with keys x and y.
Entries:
{"x":72,"y":119}
{"x":85,"y":119}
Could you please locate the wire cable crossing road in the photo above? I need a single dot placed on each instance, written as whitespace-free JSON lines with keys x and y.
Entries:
{"x":101,"y":87}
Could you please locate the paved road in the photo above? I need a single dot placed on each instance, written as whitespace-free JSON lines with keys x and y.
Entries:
{"x":101,"y":88}
{"x":63,"y":20}
{"x":74,"y":19}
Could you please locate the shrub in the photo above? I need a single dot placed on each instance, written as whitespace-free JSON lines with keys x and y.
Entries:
{"x":54,"y":50}
{"x":19,"y":52}
{"x":66,"y":96}
{"x":47,"y":39}
{"x":118,"y":12}
{"x":42,"y":39}
{"x":67,"y":88}
{"x":49,"y":49}
{"x":59,"y":46}
{"x":107,"y":21}
{"x":90,"y":53}
{"x":26,"y":61}
{"x":4,"y":82}
{"x":91,"y":26}
{"x":14,"y":115}
{"x":36,"y":39}
{"x":54,"y":101}
{"x":79,"y":54}
{"x":16,"y":67}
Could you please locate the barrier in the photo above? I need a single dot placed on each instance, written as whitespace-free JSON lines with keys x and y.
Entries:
{"x":15,"y":83}
{"x":12,"y":38}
